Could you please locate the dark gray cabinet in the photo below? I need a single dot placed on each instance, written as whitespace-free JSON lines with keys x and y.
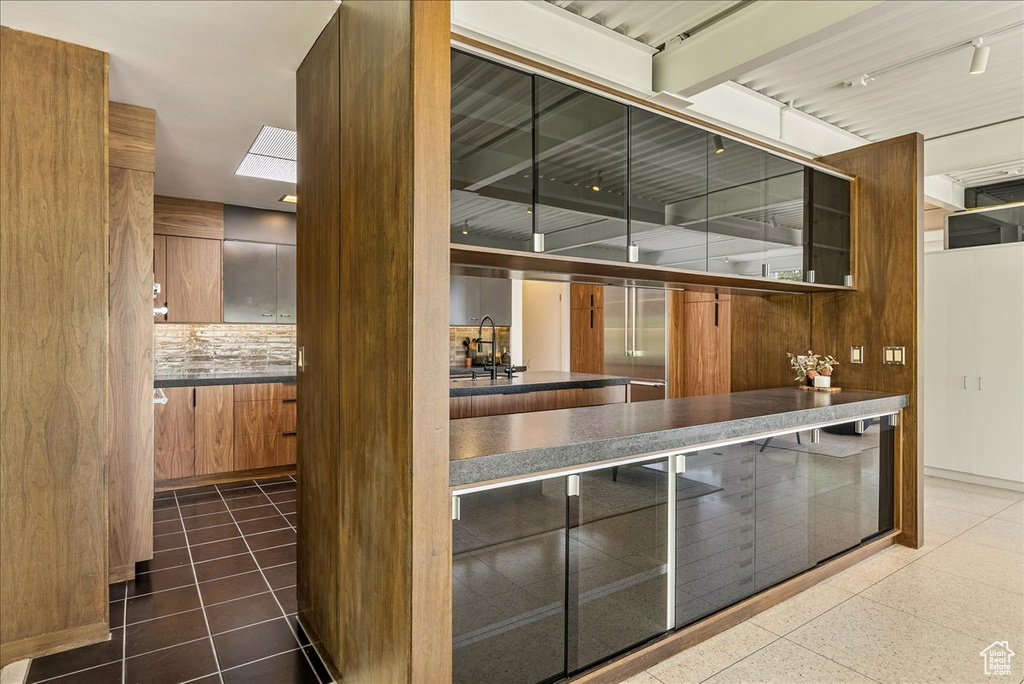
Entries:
{"x":259,"y":282}
{"x":472,"y":298}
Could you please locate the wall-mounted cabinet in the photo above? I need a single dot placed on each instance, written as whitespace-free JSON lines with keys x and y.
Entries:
{"x":259,"y":282}
{"x":472,"y":298}
{"x":550,"y":168}
{"x":188,"y":271}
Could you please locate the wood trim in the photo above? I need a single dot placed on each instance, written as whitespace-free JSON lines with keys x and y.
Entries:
{"x":223,"y":478}
{"x":54,"y":415}
{"x":55,"y":642}
{"x":188,"y":218}
{"x":130,"y":461}
{"x":563,"y":75}
{"x":132,"y":140}
{"x":493,"y":262}
{"x":637,"y":661}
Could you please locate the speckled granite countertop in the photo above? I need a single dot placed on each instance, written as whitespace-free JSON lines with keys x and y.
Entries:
{"x":495,"y":447}
{"x":530,"y":381}
{"x":239,"y":378}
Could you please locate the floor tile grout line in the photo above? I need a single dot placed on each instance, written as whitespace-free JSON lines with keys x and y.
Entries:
{"x":276,"y":600}
{"x":847,"y":667}
{"x":202,"y":605}
{"x":924,"y":619}
{"x":274,"y":504}
{"x":777,"y":638}
{"x":268,"y":657}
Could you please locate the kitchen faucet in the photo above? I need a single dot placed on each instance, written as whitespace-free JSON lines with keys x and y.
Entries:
{"x":493,"y":343}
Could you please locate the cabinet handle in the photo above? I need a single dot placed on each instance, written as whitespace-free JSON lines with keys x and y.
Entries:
{"x":289,"y":433}
{"x":282,"y":315}
{"x":268,"y":315}
{"x":979,"y":382}
{"x":290,"y":400}
{"x":965,"y":382}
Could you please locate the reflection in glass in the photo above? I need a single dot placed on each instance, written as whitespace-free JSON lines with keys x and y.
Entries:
{"x":508,"y":584}
{"x":714,"y":531}
{"x":617,"y":561}
{"x":492,"y":154}
{"x":668,"y":191}
{"x":581,"y":143}
{"x":829,"y":245}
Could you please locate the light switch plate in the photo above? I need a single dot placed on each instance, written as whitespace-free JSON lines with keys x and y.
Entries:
{"x":894,"y":356}
{"x":857,"y":354}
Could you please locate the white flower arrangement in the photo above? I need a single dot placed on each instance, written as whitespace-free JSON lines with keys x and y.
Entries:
{"x":807,"y":366}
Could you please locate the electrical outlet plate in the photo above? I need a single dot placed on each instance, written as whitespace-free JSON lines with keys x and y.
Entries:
{"x":857,"y":354}
{"x":894,"y":356}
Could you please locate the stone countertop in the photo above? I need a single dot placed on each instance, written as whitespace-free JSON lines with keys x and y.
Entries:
{"x":530,"y":381}
{"x":518,"y":445}
{"x":220,"y":378}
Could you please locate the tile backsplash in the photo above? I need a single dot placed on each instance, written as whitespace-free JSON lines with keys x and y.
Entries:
{"x":222,"y":348}
{"x":457,"y":334}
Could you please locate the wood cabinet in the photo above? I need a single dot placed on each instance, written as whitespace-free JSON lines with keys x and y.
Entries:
{"x":220,"y":429}
{"x":700,"y":343}
{"x":188,"y":218}
{"x":192,"y":280}
{"x":526,"y":402}
{"x":586,"y":328}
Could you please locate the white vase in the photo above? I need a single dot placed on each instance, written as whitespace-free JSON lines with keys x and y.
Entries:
{"x":822,"y":380}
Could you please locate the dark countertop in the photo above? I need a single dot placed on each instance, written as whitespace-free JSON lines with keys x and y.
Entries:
{"x":240,"y":378}
{"x":530,"y":381}
{"x":495,"y":447}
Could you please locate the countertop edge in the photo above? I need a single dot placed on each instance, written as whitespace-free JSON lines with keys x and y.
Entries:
{"x":189,"y":381}
{"x":483,"y":390}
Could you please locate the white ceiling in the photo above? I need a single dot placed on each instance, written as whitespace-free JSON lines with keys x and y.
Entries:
{"x":215,"y":72}
{"x":650,"y":22}
{"x":935,"y":96}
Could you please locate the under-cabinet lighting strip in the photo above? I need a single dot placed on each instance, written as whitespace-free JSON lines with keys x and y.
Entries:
{"x":459,"y":490}
{"x":457,"y":42}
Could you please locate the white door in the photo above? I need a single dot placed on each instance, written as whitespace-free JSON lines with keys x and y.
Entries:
{"x":999,"y":340}
{"x":948,"y":359}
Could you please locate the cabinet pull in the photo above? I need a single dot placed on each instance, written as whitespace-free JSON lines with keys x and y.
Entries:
{"x":289,"y":433}
{"x":268,"y":315}
{"x":979,"y":382}
{"x":965,"y":382}
{"x":284,"y":315}
{"x":591,"y":319}
{"x":290,"y":400}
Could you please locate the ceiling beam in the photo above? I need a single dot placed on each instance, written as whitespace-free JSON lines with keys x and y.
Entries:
{"x":989,"y":146}
{"x":741,"y":42}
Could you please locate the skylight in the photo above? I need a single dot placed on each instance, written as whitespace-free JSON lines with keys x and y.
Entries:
{"x":271,"y":156}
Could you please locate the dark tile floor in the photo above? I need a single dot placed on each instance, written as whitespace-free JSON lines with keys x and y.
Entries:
{"x":216,"y":605}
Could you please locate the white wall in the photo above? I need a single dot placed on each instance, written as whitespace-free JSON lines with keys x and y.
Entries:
{"x":545,"y":328}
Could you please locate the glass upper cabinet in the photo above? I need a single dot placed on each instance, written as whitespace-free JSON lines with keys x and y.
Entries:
{"x":668,"y":190}
{"x":581,"y":165}
{"x":827,"y":206}
{"x":492,"y":154}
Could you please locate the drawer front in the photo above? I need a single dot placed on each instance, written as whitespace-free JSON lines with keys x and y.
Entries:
{"x":265,"y":391}
{"x":264,"y":451}
{"x":265,"y":417}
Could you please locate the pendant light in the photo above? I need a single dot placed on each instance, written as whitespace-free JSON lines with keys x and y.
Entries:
{"x":719,"y":144}
{"x":980,"y":58}
{"x":596,"y":185}
{"x":465,"y":228}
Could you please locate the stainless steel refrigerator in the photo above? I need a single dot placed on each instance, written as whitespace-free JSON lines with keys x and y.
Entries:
{"x":635,"y":340}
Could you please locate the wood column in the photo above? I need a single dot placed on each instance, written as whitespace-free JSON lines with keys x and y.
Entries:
{"x":888,"y":253}
{"x":53,"y":345}
{"x":132,"y":143}
{"x":374,"y":547}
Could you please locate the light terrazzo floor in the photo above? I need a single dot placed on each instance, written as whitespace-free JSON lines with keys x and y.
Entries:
{"x":904,"y":615}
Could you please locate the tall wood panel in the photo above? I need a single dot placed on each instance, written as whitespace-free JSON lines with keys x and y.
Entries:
{"x":764,"y":329}
{"x":373,"y":245}
{"x":888,"y":210}
{"x":53,"y":345}
{"x":130,"y":466}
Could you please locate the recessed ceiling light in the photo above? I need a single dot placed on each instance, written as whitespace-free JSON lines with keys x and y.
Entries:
{"x":290,"y":199}
{"x":271,"y":156}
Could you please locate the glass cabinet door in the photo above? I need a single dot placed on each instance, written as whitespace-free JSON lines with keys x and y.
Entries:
{"x":508,"y":584}
{"x":827,"y":206}
{"x":492,"y":154}
{"x":668,"y":186}
{"x":714,"y":556}
{"x":618,"y":582}
{"x":581,"y":158}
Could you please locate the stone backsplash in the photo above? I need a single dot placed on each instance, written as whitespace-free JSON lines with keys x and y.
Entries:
{"x":222,"y":348}
{"x":458,"y":334}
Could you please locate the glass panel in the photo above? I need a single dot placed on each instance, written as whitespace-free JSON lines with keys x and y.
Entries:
{"x":829,"y":201}
{"x":617,"y":561}
{"x":714,"y":531}
{"x":986,"y":226}
{"x":581,"y":172}
{"x":755,"y":211}
{"x":508,"y":584}
{"x":667,"y":191}
{"x":492,"y":154}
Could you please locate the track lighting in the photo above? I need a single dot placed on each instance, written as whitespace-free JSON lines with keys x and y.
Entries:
{"x":596,"y":185}
{"x":465,"y":228}
{"x":980,"y":58}
{"x":719,"y":144}
{"x":773,"y":222}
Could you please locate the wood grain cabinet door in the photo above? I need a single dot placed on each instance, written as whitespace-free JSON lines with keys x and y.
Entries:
{"x":174,"y":452}
{"x":214,"y":429}
{"x":160,"y":274}
{"x":194,"y":280}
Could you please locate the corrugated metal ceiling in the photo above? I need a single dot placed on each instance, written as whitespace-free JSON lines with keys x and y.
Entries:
{"x":652,"y":23}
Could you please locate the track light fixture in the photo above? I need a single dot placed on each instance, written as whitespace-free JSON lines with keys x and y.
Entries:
{"x":465,"y":228}
{"x":979,"y":60}
{"x":596,"y":185}
{"x":719,"y":144}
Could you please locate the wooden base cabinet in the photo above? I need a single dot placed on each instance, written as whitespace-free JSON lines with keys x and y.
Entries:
{"x":220,"y":429}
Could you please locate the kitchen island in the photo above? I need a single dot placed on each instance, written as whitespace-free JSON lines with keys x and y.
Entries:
{"x":581,"y":534}
{"x":531,"y":392}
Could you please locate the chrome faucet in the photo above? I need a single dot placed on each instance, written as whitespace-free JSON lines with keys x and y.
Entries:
{"x":493,"y":343}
